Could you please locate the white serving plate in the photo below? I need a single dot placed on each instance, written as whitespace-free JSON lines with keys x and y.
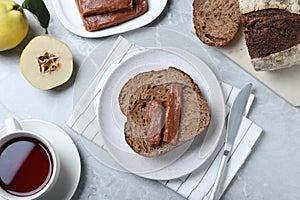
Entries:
{"x":145,"y":37}
{"x":68,"y":14}
{"x":182,"y":160}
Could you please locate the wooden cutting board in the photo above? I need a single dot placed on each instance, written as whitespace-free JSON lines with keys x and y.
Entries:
{"x":285,"y":82}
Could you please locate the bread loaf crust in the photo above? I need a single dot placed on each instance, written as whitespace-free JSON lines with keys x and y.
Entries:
{"x":247,"y":6}
{"x":280,"y":60}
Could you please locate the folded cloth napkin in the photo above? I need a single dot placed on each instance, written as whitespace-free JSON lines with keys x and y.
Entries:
{"x":196,"y":185}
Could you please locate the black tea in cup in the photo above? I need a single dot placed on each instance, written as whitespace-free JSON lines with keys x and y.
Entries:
{"x":26,"y":166}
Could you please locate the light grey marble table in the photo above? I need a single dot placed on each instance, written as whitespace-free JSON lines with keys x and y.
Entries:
{"x":271,"y":171}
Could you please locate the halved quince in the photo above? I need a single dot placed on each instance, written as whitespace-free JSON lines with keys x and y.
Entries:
{"x":46,"y":62}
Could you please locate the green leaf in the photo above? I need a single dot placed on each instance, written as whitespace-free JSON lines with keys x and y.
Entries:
{"x":39,"y":10}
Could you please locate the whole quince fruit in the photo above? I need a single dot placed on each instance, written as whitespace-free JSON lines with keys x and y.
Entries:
{"x":13,"y":24}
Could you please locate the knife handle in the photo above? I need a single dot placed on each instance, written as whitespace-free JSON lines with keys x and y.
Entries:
{"x":220,"y":176}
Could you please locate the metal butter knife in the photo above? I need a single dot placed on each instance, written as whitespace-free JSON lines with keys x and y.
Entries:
{"x":233,"y":124}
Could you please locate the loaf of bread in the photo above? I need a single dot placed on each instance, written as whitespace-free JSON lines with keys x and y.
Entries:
{"x":272,"y":33}
{"x":216,"y":22}
{"x":155,"y":85}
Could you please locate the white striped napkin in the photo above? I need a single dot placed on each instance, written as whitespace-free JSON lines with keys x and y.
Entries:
{"x":196,"y":185}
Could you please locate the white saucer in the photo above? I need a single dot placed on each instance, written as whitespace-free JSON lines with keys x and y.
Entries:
{"x":70,"y":160}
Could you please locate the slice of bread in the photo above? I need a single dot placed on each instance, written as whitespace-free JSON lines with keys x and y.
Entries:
{"x":216,"y":22}
{"x":138,"y":91}
{"x":141,"y":81}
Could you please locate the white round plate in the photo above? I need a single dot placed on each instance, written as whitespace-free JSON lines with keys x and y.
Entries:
{"x":111,"y":120}
{"x":68,"y":14}
{"x":70,"y":160}
{"x":145,"y":37}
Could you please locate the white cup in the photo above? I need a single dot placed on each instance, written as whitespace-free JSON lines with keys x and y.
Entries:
{"x":14,"y":131}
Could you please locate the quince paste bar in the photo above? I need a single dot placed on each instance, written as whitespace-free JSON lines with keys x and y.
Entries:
{"x":92,"y":7}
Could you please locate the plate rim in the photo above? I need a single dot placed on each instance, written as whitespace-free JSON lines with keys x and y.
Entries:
{"x":137,"y":22}
{"x":172,"y":51}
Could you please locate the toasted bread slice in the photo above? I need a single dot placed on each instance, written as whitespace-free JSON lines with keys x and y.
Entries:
{"x":216,"y":22}
{"x":138,"y":91}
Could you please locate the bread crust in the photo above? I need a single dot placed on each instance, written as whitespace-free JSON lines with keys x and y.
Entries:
{"x":247,"y":6}
{"x":216,"y":22}
{"x":280,"y":60}
{"x":195,"y":116}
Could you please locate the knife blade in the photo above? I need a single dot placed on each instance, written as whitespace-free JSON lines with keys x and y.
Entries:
{"x":233,"y":124}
